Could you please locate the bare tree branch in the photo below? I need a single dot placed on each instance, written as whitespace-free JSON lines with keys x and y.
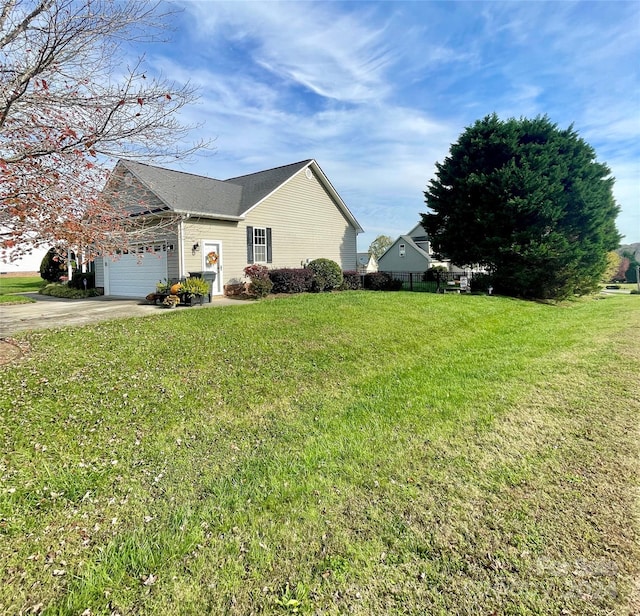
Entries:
{"x":67,"y":110}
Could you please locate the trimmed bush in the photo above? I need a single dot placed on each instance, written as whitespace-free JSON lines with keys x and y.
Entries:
{"x":351,"y":281}
{"x":255,"y":271}
{"x":260,"y":285}
{"x":381,"y":281}
{"x":291,"y":280}
{"x":327,"y":275}
{"x":62,"y":290}
{"x":77,"y":280}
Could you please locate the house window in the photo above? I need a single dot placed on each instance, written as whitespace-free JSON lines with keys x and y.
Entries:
{"x":259,"y":245}
{"x":402,"y":251}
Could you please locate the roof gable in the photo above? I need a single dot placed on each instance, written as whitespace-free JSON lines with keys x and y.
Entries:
{"x":419,"y":233}
{"x":233,"y":198}
{"x":187,"y":192}
{"x":364,"y":258}
{"x":409,"y":243}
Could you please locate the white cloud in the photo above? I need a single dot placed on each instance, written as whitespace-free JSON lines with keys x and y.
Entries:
{"x":377,"y":92}
{"x":332,"y":54}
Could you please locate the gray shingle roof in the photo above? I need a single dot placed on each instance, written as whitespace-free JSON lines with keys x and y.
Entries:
{"x":256,"y":186}
{"x":411,"y":242}
{"x":196,"y":194}
{"x":186,"y":192}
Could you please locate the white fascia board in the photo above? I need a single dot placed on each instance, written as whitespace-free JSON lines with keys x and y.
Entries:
{"x":337,"y":198}
{"x":209,"y":216}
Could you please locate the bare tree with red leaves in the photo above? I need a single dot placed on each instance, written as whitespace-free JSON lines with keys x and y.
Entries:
{"x":68,"y":108}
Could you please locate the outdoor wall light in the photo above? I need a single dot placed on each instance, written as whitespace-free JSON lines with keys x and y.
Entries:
{"x":196,"y":246}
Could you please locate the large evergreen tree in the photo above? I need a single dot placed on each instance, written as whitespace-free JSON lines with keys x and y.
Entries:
{"x":530,"y":202}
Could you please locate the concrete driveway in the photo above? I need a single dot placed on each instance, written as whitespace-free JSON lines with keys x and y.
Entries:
{"x":48,"y":312}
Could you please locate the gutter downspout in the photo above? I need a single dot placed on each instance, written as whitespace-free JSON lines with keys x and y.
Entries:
{"x":181,"y":245}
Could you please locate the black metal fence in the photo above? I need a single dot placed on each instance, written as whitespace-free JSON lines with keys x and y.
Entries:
{"x":433,"y":282}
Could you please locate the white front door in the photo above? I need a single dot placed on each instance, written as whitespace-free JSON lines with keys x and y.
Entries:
{"x":212,"y":262}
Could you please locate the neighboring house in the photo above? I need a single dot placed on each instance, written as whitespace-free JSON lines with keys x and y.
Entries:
{"x":410,"y":253}
{"x":281,"y":217}
{"x":366,"y":263}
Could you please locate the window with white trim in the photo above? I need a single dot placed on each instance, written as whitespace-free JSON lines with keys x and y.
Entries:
{"x":259,"y":245}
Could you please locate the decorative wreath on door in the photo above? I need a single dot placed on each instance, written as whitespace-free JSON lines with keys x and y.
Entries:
{"x":212,"y":258}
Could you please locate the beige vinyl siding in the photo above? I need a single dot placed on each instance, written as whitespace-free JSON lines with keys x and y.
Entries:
{"x":306,"y":224}
{"x":173,"y":259}
{"x":234,"y":249}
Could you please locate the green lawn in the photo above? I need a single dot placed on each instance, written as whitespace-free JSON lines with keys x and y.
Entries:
{"x":350,"y":453}
{"x":18,"y":284}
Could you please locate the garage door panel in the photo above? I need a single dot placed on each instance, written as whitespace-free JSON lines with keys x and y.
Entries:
{"x":135,"y":275}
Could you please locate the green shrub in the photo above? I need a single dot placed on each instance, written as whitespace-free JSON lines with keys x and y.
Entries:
{"x":260,"y":285}
{"x":351,"y":281}
{"x":78,"y":278}
{"x":327,"y":275}
{"x":435,"y":273}
{"x":481,"y":282}
{"x":52,"y":266}
{"x":381,"y":281}
{"x":291,"y":280}
{"x":62,"y":290}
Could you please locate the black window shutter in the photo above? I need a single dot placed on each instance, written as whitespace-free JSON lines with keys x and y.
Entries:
{"x":269,"y":249}
{"x":249,"y":244}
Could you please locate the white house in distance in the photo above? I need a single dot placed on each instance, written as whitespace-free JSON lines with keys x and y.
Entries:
{"x":280,"y":217}
{"x":411,"y":253}
{"x":367,"y":263}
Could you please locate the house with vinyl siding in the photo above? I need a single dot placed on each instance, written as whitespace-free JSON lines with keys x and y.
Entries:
{"x":280,"y":217}
{"x":411,"y":252}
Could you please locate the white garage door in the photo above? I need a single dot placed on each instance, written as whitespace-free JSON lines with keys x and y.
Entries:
{"x":135,"y":273}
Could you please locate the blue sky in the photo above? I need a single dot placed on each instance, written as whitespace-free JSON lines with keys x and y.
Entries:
{"x":376,"y":92}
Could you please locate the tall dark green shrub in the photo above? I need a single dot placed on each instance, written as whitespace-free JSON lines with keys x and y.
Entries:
{"x":52,"y":266}
{"x":528,"y":201}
